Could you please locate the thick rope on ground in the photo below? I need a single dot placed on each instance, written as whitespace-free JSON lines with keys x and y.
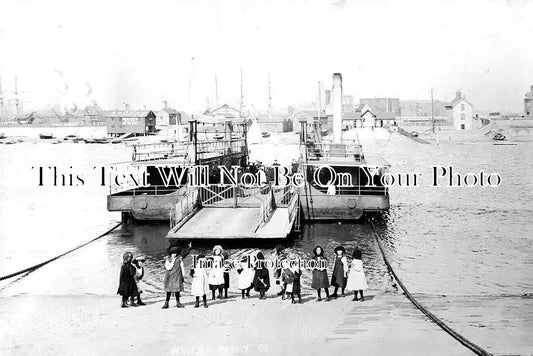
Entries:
{"x":465,"y":342}
{"x":39,"y":265}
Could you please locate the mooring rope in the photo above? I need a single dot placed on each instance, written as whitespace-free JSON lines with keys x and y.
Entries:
{"x":39,"y":265}
{"x":465,"y":342}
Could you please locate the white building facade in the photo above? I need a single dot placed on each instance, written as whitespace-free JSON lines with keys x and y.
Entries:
{"x":460,"y":113}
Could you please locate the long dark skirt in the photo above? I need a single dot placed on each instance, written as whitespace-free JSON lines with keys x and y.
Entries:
{"x":127,"y":286}
{"x":320,"y":279}
{"x":226,"y":279}
{"x":337,"y":277}
{"x":261,"y":280}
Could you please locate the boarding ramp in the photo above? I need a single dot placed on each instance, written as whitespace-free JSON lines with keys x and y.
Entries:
{"x":235,"y":212}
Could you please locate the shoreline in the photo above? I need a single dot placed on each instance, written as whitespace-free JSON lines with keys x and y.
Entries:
{"x":383,"y":324}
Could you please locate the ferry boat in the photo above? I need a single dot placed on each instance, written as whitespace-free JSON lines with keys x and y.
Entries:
{"x":341,"y":182}
{"x":157,"y":199}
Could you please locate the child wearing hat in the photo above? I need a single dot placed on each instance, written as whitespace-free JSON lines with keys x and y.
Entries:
{"x":356,"y":276}
{"x":139,"y":274}
{"x":199,"y":285}
{"x":246,"y":277}
{"x":216,"y":273}
{"x":174,"y":272}
{"x":291,"y":278}
{"x":279,"y":252}
{"x":320,"y":274}
{"x":225,"y":257}
{"x":340,"y":271}
{"x":127,"y":287}
{"x":261,"y":276}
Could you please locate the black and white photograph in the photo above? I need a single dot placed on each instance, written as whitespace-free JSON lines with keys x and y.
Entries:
{"x":247,"y":177}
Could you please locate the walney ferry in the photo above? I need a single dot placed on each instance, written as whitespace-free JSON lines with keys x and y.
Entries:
{"x":341,"y":181}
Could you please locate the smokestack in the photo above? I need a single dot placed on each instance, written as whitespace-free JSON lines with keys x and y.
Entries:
{"x":336,"y":102}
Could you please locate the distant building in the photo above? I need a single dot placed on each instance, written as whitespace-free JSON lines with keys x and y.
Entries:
{"x":138,"y":122}
{"x":460,"y":112}
{"x":386,"y":120}
{"x":171,"y":117}
{"x":225,"y":112}
{"x":383,"y":105}
{"x":46,"y":117}
{"x":528,"y":103}
{"x":310,"y":116}
{"x":348,"y":104}
{"x":275,"y":123}
{"x":364,"y":116}
{"x":421,"y":108}
{"x":94,"y":116}
{"x":78,"y":117}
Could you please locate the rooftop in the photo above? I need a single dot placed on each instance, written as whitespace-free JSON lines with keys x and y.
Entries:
{"x":128,"y":113}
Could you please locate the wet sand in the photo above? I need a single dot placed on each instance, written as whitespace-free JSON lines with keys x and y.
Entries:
{"x":384,"y":324}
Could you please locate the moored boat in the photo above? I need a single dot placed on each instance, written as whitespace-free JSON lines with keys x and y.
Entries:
{"x":341,"y":182}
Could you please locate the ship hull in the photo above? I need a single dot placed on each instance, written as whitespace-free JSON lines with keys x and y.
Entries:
{"x":319,"y":206}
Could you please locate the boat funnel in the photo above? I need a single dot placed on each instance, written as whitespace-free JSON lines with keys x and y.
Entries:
{"x":336,"y":105}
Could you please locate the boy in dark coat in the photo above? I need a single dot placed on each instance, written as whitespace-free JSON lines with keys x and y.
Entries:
{"x":261,"y":281}
{"x":127,"y":287}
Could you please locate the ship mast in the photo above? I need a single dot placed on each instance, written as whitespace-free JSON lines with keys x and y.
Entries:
{"x":17,"y":102}
{"x":190,"y":83}
{"x":432,"y":113}
{"x":317,"y":126}
{"x":269,"y":98}
{"x":1,"y":100}
{"x":241,"y":105}
{"x":216,"y":91}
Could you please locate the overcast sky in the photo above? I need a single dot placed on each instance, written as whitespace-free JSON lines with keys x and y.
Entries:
{"x":139,"y":52}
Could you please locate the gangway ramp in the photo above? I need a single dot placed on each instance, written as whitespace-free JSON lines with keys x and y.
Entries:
{"x":237,"y":213}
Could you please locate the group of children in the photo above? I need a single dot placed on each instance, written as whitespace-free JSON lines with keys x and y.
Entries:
{"x":210,"y":273}
{"x":344,"y":276}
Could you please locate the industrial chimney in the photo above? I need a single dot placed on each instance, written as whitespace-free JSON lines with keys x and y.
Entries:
{"x":336,"y":103}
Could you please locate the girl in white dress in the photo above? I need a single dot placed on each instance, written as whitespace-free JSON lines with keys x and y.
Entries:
{"x":216,"y":273}
{"x":199,"y":285}
{"x":246,"y":277}
{"x":356,"y":276}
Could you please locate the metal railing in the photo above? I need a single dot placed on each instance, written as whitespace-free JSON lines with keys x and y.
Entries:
{"x":184,"y":206}
{"x":204,"y":149}
{"x":232,"y":196}
{"x":134,"y":190}
{"x":160,"y":150}
{"x":266,"y":208}
{"x":335,"y":151}
{"x":293,"y":206}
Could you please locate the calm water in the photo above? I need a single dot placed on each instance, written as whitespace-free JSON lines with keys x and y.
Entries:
{"x":453,"y":241}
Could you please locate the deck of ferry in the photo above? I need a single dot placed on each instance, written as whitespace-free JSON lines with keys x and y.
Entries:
{"x":236,"y":213}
